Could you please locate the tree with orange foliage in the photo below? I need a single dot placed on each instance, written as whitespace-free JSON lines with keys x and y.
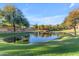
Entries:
{"x":72,"y":19}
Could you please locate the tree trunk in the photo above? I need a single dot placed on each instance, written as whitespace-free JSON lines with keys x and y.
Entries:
{"x":75,"y":31}
{"x":14,"y":27}
{"x":75,"y":28}
{"x":14,"y":30}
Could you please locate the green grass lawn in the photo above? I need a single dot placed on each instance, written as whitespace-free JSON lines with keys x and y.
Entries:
{"x":66,"y":46}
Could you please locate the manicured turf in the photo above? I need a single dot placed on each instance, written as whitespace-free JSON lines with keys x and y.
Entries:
{"x":66,"y":46}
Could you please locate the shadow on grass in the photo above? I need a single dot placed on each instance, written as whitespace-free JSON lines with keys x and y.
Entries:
{"x":58,"y":50}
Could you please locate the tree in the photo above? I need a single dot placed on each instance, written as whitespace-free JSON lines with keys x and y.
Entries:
{"x":9,"y":14}
{"x":25,"y":22}
{"x":72,"y":19}
{"x":35,"y":26}
{"x":20,"y":19}
{"x":14,"y":16}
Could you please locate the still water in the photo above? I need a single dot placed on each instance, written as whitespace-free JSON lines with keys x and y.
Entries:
{"x":33,"y":37}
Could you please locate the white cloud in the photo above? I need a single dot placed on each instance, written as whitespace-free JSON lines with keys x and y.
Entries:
{"x":71,"y":5}
{"x":52,"y":20}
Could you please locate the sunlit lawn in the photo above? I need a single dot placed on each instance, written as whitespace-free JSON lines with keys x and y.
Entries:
{"x":64,"y":46}
{"x":71,"y":30}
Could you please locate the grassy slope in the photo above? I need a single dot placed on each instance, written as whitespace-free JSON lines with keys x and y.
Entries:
{"x":71,"y":30}
{"x":65,"y":46}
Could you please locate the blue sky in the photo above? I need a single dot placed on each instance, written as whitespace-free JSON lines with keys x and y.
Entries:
{"x":45,"y":13}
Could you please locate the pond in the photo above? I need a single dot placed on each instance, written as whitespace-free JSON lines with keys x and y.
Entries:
{"x":33,"y":37}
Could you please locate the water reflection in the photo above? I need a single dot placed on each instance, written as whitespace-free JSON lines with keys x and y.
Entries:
{"x":34,"y":37}
{"x":42,"y":34}
{"x":17,"y":39}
